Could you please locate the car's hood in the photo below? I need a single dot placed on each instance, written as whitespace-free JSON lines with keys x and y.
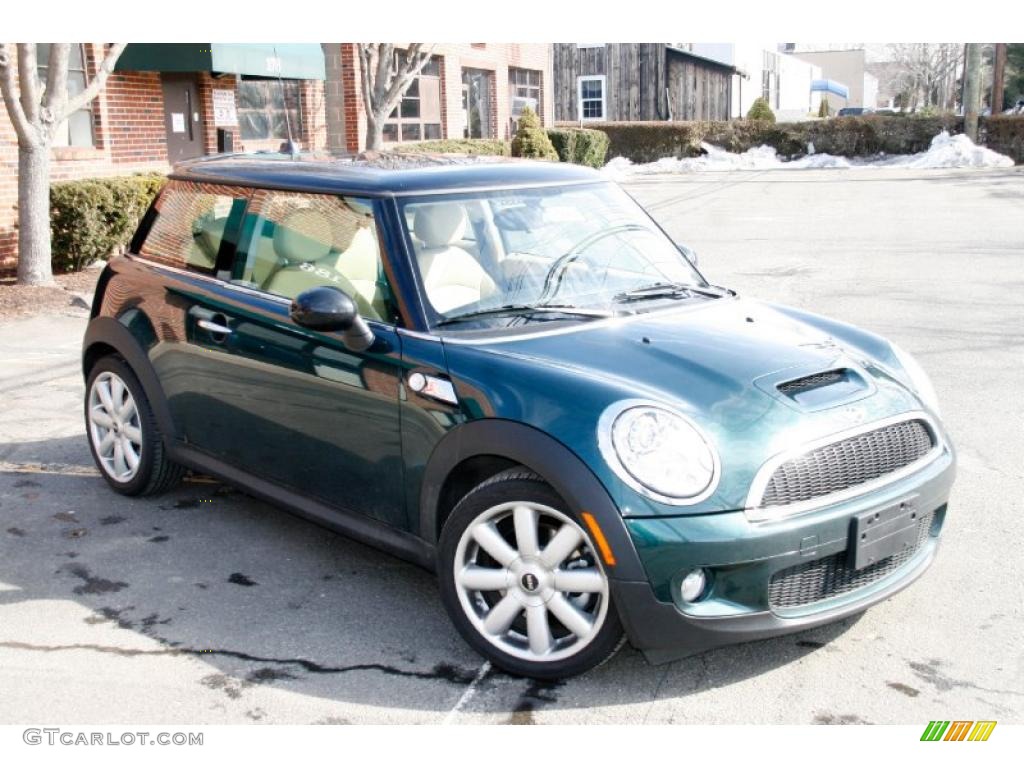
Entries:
{"x":719,"y":361}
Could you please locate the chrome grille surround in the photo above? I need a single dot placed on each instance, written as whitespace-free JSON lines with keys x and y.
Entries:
{"x":893,"y":450}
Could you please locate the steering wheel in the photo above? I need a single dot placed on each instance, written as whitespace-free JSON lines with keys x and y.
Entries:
{"x":555,"y":273}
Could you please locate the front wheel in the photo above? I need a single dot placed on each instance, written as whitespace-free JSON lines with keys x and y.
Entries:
{"x":522,"y":580}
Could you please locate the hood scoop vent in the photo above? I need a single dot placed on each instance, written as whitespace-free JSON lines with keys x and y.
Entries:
{"x":824,"y":388}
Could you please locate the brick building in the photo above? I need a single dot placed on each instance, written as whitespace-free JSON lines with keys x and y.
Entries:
{"x":172,"y":101}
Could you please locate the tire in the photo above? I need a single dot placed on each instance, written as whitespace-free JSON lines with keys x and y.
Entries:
{"x":511,"y":603}
{"x":123,"y":435}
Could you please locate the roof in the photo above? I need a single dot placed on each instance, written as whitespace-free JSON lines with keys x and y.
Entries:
{"x":705,"y":61}
{"x":384,"y":174}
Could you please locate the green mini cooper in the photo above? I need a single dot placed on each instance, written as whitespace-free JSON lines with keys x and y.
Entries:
{"x":506,"y":372}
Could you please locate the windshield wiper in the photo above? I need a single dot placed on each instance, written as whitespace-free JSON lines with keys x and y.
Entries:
{"x":665,"y":290}
{"x":509,"y":309}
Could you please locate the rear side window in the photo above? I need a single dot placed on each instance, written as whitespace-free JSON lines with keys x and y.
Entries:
{"x":193,"y":222}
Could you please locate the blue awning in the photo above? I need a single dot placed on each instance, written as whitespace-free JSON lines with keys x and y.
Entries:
{"x":831,"y":86}
{"x":300,"y":61}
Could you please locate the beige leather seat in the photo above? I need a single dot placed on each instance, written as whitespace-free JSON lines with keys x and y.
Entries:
{"x":360,"y":264}
{"x":451,"y":276}
{"x":206,"y":243}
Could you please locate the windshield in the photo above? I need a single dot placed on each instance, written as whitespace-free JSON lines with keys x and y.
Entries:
{"x":554,"y":249}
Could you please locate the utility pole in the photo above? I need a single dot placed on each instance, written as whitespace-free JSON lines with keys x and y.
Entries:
{"x":972,"y":90}
{"x":998,"y":77}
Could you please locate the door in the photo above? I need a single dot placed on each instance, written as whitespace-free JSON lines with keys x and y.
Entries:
{"x":294,"y":406}
{"x":477,"y":85}
{"x":182,"y":117}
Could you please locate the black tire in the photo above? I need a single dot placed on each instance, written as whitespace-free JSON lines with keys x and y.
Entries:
{"x":518,"y":485}
{"x":156,"y":473}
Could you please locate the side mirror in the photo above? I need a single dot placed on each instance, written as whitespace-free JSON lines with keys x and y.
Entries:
{"x":688,"y":252}
{"x":328,"y":309}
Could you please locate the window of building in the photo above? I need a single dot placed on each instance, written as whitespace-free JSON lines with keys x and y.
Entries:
{"x":770,"y":79}
{"x":192,"y":223}
{"x":76,"y":131}
{"x":477,"y":92}
{"x":591,"y":97}
{"x":523,"y":91}
{"x":267,"y":106}
{"x":418,"y":116}
{"x":296,"y":241}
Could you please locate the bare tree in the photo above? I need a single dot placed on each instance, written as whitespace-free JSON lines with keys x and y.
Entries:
{"x":387,"y":73}
{"x":925,"y":74}
{"x":37,"y":110}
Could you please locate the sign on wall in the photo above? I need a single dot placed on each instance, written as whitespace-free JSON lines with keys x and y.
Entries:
{"x":224,"y":113}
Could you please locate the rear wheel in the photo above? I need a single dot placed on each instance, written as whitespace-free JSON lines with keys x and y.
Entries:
{"x":522,"y":581}
{"x":124,"y":438}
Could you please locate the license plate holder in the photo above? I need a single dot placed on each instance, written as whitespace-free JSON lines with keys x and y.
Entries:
{"x":882,"y":533}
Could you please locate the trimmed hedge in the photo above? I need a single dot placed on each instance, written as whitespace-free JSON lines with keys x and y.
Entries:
{"x":1005,"y":134}
{"x":460,"y":147}
{"x":582,"y":146}
{"x":853,"y":136}
{"x":91,"y":218}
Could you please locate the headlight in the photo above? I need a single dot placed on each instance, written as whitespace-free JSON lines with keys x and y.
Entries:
{"x":919,"y":380}
{"x":658,"y":452}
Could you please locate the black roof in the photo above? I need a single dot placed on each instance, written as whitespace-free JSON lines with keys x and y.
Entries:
{"x":383,"y":174}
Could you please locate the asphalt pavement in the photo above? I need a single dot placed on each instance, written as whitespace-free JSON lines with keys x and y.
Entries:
{"x":206,"y":606}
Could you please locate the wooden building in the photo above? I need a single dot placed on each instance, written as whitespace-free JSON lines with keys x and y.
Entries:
{"x":618,"y":82}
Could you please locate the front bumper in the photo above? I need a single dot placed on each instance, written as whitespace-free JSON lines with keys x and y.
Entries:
{"x":743,"y":557}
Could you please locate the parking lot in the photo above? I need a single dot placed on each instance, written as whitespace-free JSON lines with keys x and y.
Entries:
{"x":206,"y":606}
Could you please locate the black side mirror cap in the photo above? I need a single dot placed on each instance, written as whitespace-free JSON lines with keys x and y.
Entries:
{"x":329,"y":310}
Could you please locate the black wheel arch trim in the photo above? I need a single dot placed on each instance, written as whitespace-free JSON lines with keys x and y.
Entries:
{"x":571,"y":478}
{"x":109,"y":332}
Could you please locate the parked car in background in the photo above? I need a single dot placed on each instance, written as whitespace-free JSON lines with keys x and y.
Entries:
{"x":853,"y":111}
{"x":506,"y":371}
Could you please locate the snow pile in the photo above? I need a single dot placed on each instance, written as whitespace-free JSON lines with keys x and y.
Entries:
{"x":945,"y":152}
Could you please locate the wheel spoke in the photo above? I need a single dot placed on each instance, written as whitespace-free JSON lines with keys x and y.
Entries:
{"x":117,"y":393}
{"x":120,"y":468}
{"x":573,"y":619}
{"x":538,"y":630}
{"x":134,"y":434}
{"x":101,"y":418}
{"x":502,"y":615}
{"x":483,"y":579}
{"x":525,"y":519}
{"x":103,"y":449}
{"x":579,"y":580}
{"x":561,"y":545}
{"x":130,"y":456}
{"x":103,"y":390}
{"x":494,"y":544}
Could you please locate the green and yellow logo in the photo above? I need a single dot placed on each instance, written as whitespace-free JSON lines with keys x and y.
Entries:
{"x":958,"y":730}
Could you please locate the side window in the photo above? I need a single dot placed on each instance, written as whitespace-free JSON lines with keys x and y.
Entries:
{"x":192,"y":223}
{"x":296,"y":241}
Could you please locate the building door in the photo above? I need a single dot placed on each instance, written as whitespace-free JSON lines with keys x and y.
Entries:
{"x":183,"y":118}
{"x":477,"y":85}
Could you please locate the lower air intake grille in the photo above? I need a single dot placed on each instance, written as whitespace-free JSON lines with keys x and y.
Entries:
{"x":830,"y":576}
{"x":848,"y":463}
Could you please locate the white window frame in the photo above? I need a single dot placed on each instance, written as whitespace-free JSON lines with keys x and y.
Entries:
{"x":604,"y":97}
{"x":589,"y":45}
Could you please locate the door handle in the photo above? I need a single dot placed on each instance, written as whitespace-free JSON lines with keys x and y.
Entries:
{"x":214,"y":327}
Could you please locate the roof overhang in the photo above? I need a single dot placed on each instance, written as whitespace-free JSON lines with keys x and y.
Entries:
{"x":705,"y":61}
{"x":831,"y":86}
{"x":299,"y":61}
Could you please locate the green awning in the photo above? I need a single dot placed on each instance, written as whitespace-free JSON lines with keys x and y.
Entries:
{"x":299,"y":61}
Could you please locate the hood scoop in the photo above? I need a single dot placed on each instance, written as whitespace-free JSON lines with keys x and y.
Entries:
{"x":824,"y":389}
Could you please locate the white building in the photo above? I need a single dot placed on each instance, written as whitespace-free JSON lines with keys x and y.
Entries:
{"x":785,"y":81}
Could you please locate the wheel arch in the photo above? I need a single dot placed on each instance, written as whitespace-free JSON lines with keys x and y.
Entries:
{"x":470,"y":453}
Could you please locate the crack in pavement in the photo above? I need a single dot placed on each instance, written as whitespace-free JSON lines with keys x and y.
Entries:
{"x":446,"y":672}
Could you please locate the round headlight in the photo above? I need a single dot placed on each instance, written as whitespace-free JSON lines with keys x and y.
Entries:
{"x":919,"y":380}
{"x":659,"y":452}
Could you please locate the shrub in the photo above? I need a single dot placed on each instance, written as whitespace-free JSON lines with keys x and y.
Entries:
{"x":823,"y":108}
{"x":582,"y":146}
{"x":458,"y":146}
{"x":1005,"y":134}
{"x":531,"y":140}
{"x":760,"y":110}
{"x":91,"y":218}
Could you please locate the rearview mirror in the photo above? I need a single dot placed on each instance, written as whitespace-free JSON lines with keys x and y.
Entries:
{"x":329,"y":309}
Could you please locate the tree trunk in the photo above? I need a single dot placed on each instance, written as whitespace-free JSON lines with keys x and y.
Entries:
{"x":374,"y":132}
{"x":34,"y":267}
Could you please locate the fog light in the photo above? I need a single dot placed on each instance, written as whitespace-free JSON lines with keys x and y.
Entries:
{"x":692,"y":587}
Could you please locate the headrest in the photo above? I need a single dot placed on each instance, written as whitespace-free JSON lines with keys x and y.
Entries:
{"x":439,"y":224}
{"x":303,"y":235}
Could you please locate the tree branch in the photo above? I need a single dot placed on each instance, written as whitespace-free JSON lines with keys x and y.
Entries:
{"x":56,"y":92}
{"x":366,"y":65}
{"x":28,"y":80}
{"x":22,"y":127}
{"x":93,"y":88}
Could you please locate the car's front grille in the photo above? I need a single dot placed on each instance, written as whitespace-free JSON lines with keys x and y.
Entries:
{"x":830,"y":576}
{"x":814,"y":381}
{"x":848,"y":463}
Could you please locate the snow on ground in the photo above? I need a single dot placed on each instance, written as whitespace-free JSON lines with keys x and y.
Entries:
{"x":945,"y":152}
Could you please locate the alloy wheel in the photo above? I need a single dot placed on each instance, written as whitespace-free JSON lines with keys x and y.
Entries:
{"x":114,"y":427}
{"x":530,"y":582}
